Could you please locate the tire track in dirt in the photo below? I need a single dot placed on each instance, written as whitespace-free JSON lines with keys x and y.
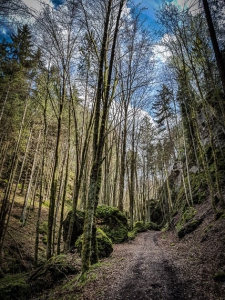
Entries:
{"x":152,"y":275}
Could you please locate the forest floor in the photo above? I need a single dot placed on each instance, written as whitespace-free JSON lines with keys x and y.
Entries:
{"x":155,"y":265}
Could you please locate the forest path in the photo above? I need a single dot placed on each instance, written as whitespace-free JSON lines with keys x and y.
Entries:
{"x":154,"y":266}
{"x":150,"y":274}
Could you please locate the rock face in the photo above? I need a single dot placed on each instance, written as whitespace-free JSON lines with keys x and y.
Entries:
{"x":208,"y":117}
{"x":113,"y":222}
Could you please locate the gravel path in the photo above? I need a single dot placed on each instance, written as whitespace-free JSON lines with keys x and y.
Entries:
{"x":151,"y":274}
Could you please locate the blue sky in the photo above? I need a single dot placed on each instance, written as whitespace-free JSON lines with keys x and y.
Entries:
{"x":148,"y":14}
{"x":57,"y":2}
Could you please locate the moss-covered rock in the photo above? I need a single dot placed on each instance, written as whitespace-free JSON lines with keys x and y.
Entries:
{"x":188,"y":222}
{"x":104,"y":243}
{"x":187,"y":215}
{"x":152,"y":226}
{"x":132,"y":234}
{"x":189,"y":227}
{"x":53,"y":270}
{"x":77,"y":228}
{"x":139,"y":226}
{"x":14,"y":287}
{"x":113,"y":222}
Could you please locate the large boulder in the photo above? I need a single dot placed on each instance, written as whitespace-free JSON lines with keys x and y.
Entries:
{"x":77,"y":228}
{"x":104,"y":243}
{"x":113,"y":222}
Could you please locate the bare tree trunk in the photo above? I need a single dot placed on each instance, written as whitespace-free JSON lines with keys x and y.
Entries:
{"x":24,"y":211}
{"x":218,"y":55}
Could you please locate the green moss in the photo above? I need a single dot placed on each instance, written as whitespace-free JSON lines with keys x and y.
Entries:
{"x":46,"y":203}
{"x":56,"y":268}
{"x":132,"y":234}
{"x":139,"y":226}
{"x":187,"y":222}
{"x":14,"y":287}
{"x":189,"y":227}
{"x":113,"y":222}
{"x":152,"y":226}
{"x":105,"y":247}
{"x":219,"y":276}
{"x":104,"y":244}
{"x":43,"y":228}
{"x":187,"y":215}
{"x":166,"y":227}
{"x":44,"y":239}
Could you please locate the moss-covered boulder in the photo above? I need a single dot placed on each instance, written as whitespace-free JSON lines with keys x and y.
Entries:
{"x":152,"y":226}
{"x":189,"y":227}
{"x":139,"y":226}
{"x":132,"y":234}
{"x":105,"y":247}
{"x":56,"y":268}
{"x":188,"y":222}
{"x":113,"y":222}
{"x":77,"y":228}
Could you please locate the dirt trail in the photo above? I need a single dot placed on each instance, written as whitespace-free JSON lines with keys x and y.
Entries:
{"x":151,"y":274}
{"x":151,"y":267}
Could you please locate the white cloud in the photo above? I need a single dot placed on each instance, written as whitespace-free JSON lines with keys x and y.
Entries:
{"x":161,"y":53}
{"x":191,"y":4}
{"x":36,"y":4}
